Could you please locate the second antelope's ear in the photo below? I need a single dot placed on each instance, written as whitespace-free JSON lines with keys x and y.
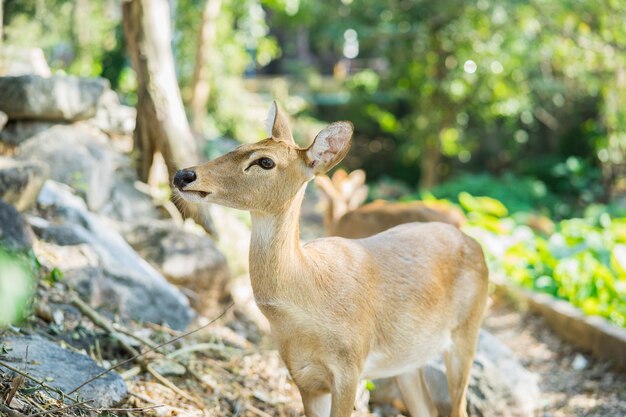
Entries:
{"x":329,"y":147}
{"x":278,"y":126}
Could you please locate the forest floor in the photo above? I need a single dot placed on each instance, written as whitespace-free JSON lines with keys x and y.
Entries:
{"x":229,"y":375}
{"x":572,"y":383}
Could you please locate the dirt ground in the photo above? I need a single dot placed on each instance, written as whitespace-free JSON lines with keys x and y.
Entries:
{"x":572,"y":382}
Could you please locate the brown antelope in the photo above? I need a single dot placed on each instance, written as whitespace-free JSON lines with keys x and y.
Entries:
{"x":343,"y":309}
{"x":344,"y":216}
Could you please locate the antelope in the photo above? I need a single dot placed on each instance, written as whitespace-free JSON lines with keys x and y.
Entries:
{"x":344,"y":216}
{"x":342,"y":309}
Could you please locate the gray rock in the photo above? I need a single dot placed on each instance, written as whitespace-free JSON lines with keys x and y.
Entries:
{"x":18,"y":131}
{"x":64,"y":369}
{"x":500,"y":381}
{"x":127,"y":203}
{"x":3,"y":120}
{"x":61,"y":98}
{"x":186,"y":259}
{"x":15,"y":234}
{"x":77,"y":155}
{"x":114,"y":118}
{"x":499,"y":384}
{"x":20,"y":182}
{"x":126,"y":285}
{"x":19,"y":60}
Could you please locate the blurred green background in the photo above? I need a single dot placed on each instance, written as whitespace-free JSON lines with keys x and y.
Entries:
{"x":516,"y":109}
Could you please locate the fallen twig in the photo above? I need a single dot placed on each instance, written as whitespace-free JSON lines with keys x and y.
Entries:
{"x":17,"y":382}
{"x":102,"y":322}
{"x":15,"y":385}
{"x":128,"y":333}
{"x":256,"y":411}
{"x":32,"y":402}
{"x":163,"y":329}
{"x":143,"y":398}
{"x":199,"y":347}
{"x":163,"y":380}
{"x":150,"y":407}
{"x":106,"y":371}
{"x":151,"y":401}
{"x":131,"y":373}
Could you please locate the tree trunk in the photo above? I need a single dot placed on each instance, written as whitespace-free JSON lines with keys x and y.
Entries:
{"x":161,"y":121}
{"x":200,"y":87}
{"x":431,"y":158}
{"x":1,"y":22}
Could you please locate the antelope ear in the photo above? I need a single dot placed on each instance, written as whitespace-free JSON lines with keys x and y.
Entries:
{"x":277,"y":125}
{"x":329,"y":147}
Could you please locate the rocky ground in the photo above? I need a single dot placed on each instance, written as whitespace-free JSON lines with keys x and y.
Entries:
{"x":572,"y":383}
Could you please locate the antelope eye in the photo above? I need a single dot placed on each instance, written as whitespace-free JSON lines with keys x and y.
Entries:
{"x":266,"y":163}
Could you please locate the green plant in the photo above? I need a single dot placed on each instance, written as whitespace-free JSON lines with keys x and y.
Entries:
{"x":18,"y":277}
{"x":583,"y":261}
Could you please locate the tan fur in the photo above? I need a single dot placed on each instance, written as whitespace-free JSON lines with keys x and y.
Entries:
{"x":381,"y":215}
{"x":344,"y":218}
{"x":343,"y":309}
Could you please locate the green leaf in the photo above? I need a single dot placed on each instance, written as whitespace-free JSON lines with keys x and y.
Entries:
{"x":483,"y":205}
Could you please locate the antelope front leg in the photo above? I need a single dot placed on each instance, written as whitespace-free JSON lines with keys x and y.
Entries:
{"x":344,"y":395}
{"x":316,"y":404}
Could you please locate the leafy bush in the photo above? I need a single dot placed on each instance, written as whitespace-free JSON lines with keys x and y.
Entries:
{"x":518,"y":194}
{"x":582,"y":261}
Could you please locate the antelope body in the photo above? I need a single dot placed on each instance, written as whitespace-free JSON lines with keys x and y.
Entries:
{"x":343,"y":309}
{"x":344,"y":216}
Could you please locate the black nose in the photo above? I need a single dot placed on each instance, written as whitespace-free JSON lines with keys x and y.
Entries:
{"x":184,"y":177}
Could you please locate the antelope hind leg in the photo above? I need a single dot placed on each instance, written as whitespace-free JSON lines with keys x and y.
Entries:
{"x":458,"y":361}
{"x":415,"y":395}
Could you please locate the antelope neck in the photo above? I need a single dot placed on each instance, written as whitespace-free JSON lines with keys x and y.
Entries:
{"x":275,"y":245}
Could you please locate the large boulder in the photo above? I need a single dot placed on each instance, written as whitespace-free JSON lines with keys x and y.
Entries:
{"x":20,"y":182}
{"x":78,"y":155}
{"x":60,"y":98}
{"x":17,"y":131}
{"x":15,"y":234}
{"x":185,"y":258}
{"x":63,"y":369}
{"x":125,"y":283}
{"x":19,"y":60}
{"x":499,"y":385}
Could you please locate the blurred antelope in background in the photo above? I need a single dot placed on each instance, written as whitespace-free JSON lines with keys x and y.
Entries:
{"x":342,"y":309}
{"x":344,"y":216}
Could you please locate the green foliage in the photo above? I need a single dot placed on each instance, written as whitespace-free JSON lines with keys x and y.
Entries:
{"x":18,"y":277}
{"x":486,"y":205}
{"x":77,"y":36}
{"x":583,"y":261}
{"x":55,"y":275}
{"x":485,"y":84}
{"x":518,"y":194}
